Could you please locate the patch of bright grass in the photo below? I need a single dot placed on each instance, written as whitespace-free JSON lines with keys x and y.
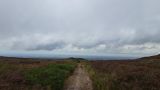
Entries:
{"x":52,"y":76}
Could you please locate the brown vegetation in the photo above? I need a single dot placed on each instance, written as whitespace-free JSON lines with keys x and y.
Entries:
{"x":19,"y":73}
{"x":140,"y":74}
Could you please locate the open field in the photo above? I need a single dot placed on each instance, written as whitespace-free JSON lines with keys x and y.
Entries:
{"x":140,"y":74}
{"x":28,"y":74}
{"x":79,"y":74}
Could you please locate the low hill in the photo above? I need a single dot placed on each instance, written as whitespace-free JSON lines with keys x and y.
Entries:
{"x":152,"y":57}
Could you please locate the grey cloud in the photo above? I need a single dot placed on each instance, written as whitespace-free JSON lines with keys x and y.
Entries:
{"x":50,"y":46}
{"x":85,"y":25}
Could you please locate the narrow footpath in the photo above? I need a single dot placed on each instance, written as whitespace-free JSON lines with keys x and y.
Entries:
{"x":79,"y":80}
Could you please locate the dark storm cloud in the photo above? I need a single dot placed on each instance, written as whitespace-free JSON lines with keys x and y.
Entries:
{"x":101,"y":26}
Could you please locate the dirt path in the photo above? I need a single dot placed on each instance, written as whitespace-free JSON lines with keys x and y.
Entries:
{"x":79,"y":80}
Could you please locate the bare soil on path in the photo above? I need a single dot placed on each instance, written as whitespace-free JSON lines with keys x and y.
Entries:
{"x":79,"y":80}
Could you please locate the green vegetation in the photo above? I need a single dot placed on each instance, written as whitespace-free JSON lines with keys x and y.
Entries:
{"x":27,"y":74}
{"x":52,"y":76}
{"x":125,"y":75}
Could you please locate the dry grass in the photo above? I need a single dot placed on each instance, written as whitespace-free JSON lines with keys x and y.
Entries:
{"x":142,"y":74}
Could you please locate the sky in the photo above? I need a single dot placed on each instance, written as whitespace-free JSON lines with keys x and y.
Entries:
{"x":101,"y":27}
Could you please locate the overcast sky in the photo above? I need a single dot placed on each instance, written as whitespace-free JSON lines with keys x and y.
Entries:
{"x":80,"y":26}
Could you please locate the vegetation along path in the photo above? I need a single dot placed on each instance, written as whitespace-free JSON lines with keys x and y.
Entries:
{"x":79,"y":80}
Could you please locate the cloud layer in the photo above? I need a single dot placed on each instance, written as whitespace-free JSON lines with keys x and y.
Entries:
{"x":80,"y":26}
